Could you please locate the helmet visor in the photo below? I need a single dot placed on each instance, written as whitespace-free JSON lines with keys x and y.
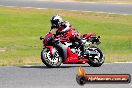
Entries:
{"x":54,"y":23}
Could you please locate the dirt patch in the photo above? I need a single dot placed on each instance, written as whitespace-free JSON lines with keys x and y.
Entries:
{"x":2,"y":49}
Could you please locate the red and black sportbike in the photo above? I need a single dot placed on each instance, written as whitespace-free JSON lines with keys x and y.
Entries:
{"x":58,"y":49}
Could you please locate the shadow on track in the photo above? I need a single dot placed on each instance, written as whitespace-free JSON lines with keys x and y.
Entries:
{"x":44,"y":67}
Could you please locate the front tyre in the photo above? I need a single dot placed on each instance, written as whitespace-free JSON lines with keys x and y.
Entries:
{"x":97,"y":58}
{"x":49,"y":60}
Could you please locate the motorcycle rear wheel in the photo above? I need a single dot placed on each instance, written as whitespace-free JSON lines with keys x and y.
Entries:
{"x":97,"y":60}
{"x":51,"y":61}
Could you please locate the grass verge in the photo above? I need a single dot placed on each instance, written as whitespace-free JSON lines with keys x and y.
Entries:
{"x":21,"y":28}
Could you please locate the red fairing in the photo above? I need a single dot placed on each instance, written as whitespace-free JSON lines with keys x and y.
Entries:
{"x":73,"y":58}
{"x":46,"y":38}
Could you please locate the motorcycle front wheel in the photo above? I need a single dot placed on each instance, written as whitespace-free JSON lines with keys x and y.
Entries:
{"x":96,"y":60}
{"x":49,"y":60}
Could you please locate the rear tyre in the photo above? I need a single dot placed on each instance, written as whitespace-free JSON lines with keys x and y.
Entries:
{"x":98,"y":59}
{"x":51,"y":61}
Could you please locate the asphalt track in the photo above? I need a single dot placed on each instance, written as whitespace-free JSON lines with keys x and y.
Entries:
{"x":63,"y":77}
{"x":96,"y":7}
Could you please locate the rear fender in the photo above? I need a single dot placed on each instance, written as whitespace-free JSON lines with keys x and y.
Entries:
{"x":89,"y":35}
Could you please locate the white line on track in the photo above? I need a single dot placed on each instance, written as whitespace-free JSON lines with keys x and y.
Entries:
{"x":129,"y":3}
{"x":122,"y":62}
{"x":107,"y":3}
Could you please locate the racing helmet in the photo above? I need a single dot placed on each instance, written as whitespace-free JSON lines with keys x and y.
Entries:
{"x":56,"y":21}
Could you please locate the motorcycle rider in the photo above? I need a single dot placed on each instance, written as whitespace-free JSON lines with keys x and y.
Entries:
{"x":57,"y":23}
{"x":63,"y":27}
